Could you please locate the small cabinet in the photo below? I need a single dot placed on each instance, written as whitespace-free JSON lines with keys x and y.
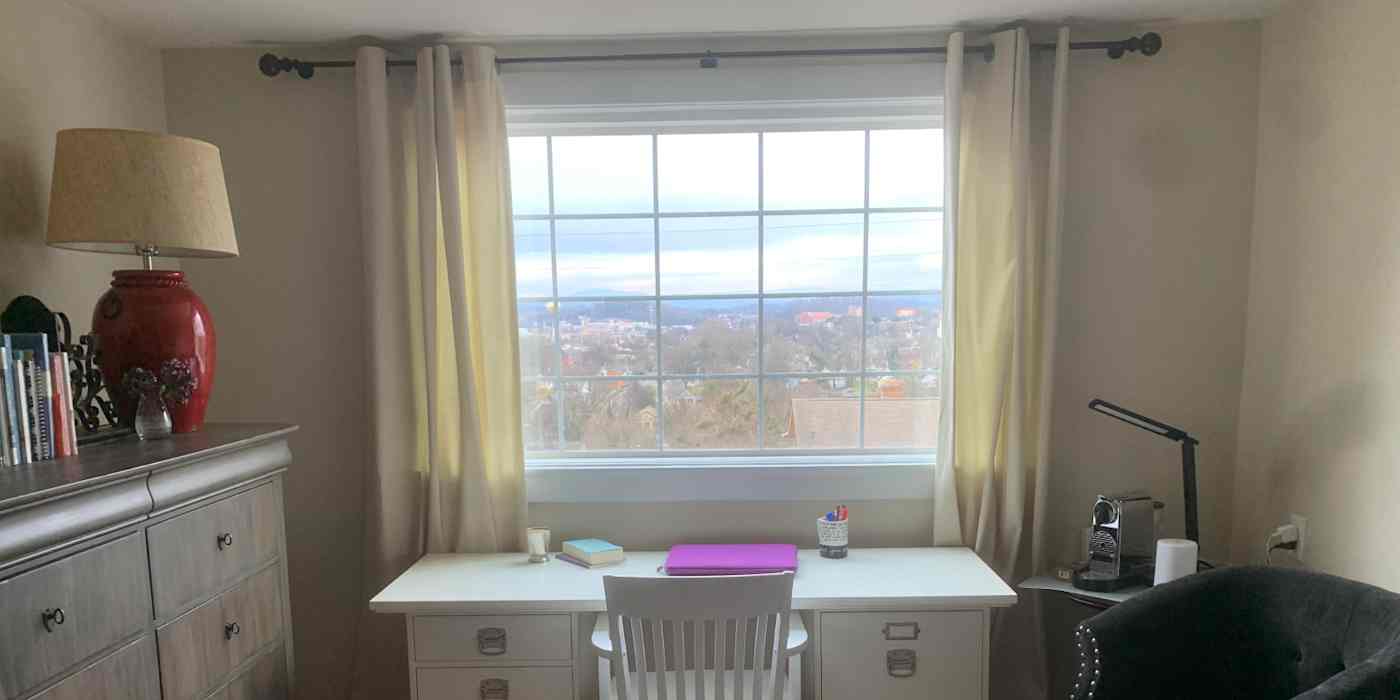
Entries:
{"x":903,"y":655}
{"x":57,"y":615}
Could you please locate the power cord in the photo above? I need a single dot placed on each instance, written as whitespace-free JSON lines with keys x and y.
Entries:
{"x":1287,"y":536}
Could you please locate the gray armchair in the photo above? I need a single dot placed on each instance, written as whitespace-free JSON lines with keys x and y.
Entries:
{"x":1245,"y":632}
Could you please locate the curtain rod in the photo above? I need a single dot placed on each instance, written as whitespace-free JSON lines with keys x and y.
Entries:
{"x":1148,"y":44}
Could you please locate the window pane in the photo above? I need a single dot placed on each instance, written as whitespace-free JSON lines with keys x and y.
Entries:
{"x":602,"y":174}
{"x":611,"y":414}
{"x":813,"y":253}
{"x":529,"y":175}
{"x":708,"y":172}
{"x":606,"y":257}
{"x":811,"y":413}
{"x":532,"y":264}
{"x":813,"y":334}
{"x":906,"y":251}
{"x":709,"y":255}
{"x":906,"y":168}
{"x":711,"y":414}
{"x":539,"y":416}
{"x":901,"y":411}
{"x":813,"y":170}
{"x":902,"y":333}
{"x":709,"y":336}
{"x":538,"y":354}
{"x":608,"y":339}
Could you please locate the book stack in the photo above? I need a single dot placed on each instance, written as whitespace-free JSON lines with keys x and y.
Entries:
{"x":592,"y":552}
{"x":36,"y":401}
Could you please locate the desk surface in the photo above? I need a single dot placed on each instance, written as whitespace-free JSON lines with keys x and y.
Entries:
{"x":868,"y":579}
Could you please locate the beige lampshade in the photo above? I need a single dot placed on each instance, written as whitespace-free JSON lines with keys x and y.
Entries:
{"x":115,"y":190}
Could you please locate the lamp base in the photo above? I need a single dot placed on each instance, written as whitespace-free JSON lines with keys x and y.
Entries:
{"x":147,"y":318}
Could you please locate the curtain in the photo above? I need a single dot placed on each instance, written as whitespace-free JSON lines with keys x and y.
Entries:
{"x":445,"y":453}
{"x":1005,"y":153}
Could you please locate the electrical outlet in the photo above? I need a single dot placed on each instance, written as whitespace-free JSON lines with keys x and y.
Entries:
{"x":1301,"y":523}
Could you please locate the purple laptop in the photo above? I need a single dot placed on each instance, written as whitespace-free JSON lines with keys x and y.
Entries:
{"x":724,"y":559}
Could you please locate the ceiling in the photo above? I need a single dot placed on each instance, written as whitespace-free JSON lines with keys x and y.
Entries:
{"x":202,"y":23}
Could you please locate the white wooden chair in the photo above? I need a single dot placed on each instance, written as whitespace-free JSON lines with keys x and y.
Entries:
{"x":659,"y":641}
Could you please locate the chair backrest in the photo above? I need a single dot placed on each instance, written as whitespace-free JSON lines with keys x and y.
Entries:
{"x":717,"y":637}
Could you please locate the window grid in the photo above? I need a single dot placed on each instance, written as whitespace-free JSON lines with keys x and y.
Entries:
{"x":862,"y":375}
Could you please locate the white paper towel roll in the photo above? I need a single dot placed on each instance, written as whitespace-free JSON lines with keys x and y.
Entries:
{"x":1175,"y":558}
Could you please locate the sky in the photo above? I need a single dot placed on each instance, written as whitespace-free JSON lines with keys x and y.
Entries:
{"x":706,"y":173}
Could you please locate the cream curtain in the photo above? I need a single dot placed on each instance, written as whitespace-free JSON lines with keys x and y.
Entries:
{"x":446,"y":460}
{"x":1004,"y":125}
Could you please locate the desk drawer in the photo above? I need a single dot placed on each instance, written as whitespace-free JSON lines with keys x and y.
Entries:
{"x":903,"y":656}
{"x":129,"y":674}
{"x":502,"y":638}
{"x":198,"y":553}
{"x":96,"y":598}
{"x":495,"y":683}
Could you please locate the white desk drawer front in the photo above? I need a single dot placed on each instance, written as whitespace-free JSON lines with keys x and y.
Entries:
{"x":495,"y":683}
{"x":59,"y":614}
{"x":493,"y":638}
{"x":199,"y":552}
{"x":899,"y":656}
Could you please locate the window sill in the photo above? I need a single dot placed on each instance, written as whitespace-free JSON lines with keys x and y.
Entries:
{"x":680,"y":479}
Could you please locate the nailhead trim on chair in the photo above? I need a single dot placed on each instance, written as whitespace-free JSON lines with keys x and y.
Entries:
{"x":1090,"y":663}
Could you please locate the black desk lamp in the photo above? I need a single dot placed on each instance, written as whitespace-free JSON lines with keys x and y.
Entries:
{"x":1188,"y":455}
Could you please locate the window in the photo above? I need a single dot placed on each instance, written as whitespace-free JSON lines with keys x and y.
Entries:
{"x":710,"y":294}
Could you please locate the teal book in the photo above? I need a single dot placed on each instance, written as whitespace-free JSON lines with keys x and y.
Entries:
{"x":593,"y":552}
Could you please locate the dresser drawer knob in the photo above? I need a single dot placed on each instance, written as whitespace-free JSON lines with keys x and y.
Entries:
{"x":495,"y":689}
{"x":900,"y":663}
{"x":225,"y":540}
{"x":901,"y":630}
{"x":232,"y":630}
{"x":52,"y":618}
{"x":491,"y":641}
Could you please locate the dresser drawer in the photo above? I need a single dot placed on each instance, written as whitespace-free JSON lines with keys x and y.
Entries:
{"x":200,"y":648}
{"x":504,"y":638}
{"x":899,"y":656}
{"x":128,"y":674}
{"x":495,"y":683}
{"x":266,"y":680}
{"x":95,"y":599}
{"x":196,"y":554}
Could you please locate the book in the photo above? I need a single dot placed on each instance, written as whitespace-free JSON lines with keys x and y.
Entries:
{"x":26,"y":452}
{"x":62,"y":424}
{"x":593,"y":552}
{"x":7,"y":455}
{"x":577,"y":562}
{"x":11,"y":398}
{"x":36,"y":347}
{"x":66,"y":386}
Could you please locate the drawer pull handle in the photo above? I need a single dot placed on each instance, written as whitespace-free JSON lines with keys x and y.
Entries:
{"x":491,"y":641}
{"x":52,"y":618}
{"x":900,"y":663}
{"x":224,"y":541}
{"x":495,"y":689}
{"x":232,"y":630}
{"x":901,"y":631}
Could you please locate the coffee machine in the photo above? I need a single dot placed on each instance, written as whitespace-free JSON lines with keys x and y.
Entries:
{"x":1120,"y":547}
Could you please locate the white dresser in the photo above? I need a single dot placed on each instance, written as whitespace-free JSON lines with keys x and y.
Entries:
{"x":893,"y":624}
{"x":145,"y":571}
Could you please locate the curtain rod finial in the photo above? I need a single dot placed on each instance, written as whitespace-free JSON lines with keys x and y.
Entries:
{"x":272,"y":66}
{"x":1149,"y":44}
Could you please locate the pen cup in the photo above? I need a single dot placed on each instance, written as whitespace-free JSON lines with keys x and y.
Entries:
{"x":538,"y":540}
{"x":832,"y":537}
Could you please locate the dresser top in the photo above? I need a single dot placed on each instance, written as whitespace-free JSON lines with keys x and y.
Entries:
{"x":126,"y":458}
{"x":867,"y":579}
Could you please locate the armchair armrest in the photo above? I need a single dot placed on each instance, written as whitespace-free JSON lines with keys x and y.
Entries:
{"x":1377,"y":677}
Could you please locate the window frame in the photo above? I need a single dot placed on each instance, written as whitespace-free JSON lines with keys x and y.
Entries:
{"x":549,"y":470}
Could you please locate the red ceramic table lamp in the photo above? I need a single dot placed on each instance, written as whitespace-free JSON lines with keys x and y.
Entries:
{"x":139,"y":193}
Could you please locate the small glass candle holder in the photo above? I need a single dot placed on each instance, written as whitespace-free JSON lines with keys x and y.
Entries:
{"x":537,"y":538}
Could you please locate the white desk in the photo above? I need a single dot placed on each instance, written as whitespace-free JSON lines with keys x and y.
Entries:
{"x":458,"y":605}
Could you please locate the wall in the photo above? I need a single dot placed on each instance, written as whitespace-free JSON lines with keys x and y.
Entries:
{"x":1321,"y":397}
{"x":61,"y":67}
{"x":288,"y":310}
{"x":1157,"y":222}
{"x":1153,"y":284}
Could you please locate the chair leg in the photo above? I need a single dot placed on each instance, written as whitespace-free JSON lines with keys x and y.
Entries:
{"x":793,"y":689}
{"x":605,"y":688}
